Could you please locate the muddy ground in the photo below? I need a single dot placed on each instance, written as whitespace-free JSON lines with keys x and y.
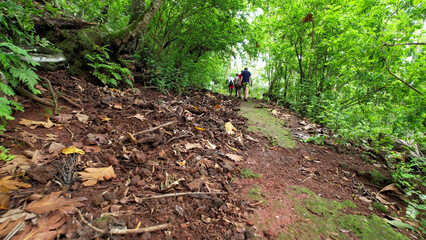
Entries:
{"x":248,"y":185}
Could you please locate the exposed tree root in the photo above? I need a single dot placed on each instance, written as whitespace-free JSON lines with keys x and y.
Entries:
{"x":27,"y":94}
{"x":17,"y":139}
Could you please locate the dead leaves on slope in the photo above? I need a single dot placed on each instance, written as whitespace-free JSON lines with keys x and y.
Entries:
{"x":91,"y":176}
{"x":7,"y":184}
{"x":34,"y":124}
{"x":53,"y":202}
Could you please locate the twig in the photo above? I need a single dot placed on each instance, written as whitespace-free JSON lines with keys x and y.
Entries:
{"x":17,"y":139}
{"x":183,"y":194}
{"x":61,"y":95}
{"x":124,"y":231}
{"x":54,"y":96}
{"x":72,"y":135}
{"x":27,"y":94}
{"x":124,"y":138}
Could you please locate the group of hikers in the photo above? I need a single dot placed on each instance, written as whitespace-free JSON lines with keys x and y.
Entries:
{"x":241,"y":80}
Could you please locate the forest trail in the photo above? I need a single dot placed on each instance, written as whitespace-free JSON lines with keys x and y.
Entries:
{"x":265,"y":184}
{"x":278,"y":178}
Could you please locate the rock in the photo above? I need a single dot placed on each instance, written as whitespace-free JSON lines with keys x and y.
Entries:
{"x":268,"y":233}
{"x":42,"y":174}
{"x":195,"y":185}
{"x":146,"y":236}
{"x":238,"y":236}
{"x":217,"y":202}
{"x":145,"y":172}
{"x":113,"y":161}
{"x":227,"y":168}
{"x":97,"y":200}
{"x":109,"y":196}
{"x":135,"y":179}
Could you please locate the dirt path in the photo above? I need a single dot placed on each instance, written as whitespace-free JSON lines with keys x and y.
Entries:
{"x":265,"y":184}
{"x":298,"y":190}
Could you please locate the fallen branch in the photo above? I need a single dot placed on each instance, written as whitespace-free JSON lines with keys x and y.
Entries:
{"x":61,"y":95}
{"x":27,"y":94}
{"x":124,"y":231}
{"x":125,"y":138}
{"x":184,"y":194}
{"x":398,"y":44}
{"x":17,"y":139}
{"x":52,"y":93}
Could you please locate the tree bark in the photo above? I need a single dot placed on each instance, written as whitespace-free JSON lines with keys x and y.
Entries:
{"x":137,"y":8}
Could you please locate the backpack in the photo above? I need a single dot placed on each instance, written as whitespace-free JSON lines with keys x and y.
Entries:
{"x":231,"y":81}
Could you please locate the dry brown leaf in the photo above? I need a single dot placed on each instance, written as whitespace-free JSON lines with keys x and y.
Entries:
{"x":190,"y":146}
{"x":93,"y":175}
{"x":33,"y":124}
{"x":391,"y":187}
{"x":7,"y":226}
{"x":7,"y":184}
{"x":118,"y":106}
{"x":235,"y":157}
{"x":46,"y":228}
{"x":51,"y":203}
{"x":94,"y":149}
{"x":139,"y":116}
{"x":37,"y":157}
{"x":4,"y":200}
{"x":82,"y":118}
{"x":15,"y":214}
{"x":55,"y":148}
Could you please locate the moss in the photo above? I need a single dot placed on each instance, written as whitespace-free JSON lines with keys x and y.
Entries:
{"x":247,"y":173}
{"x":375,"y":177}
{"x":325,"y":219}
{"x":380,"y":207}
{"x":255,"y":194}
{"x":104,"y":221}
{"x":261,"y":120}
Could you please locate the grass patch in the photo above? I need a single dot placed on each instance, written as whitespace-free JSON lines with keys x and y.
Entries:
{"x":261,"y":120}
{"x":325,"y":219}
{"x":255,"y":194}
{"x":247,"y":173}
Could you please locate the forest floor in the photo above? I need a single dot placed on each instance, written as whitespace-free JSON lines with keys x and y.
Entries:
{"x":143,"y":148}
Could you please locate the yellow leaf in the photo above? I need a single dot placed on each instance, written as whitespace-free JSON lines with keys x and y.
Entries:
{"x":51,"y":203}
{"x":216,"y":107}
{"x":93,"y":175}
{"x":230,"y":128}
{"x":195,"y":108}
{"x":106,"y":119}
{"x":231,"y":147}
{"x":201,"y":129}
{"x":71,"y":150}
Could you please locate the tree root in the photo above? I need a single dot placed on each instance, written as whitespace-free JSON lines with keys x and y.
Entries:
{"x":124,"y":231}
{"x":183,"y":194}
{"x":125,"y":138}
{"x":61,"y":95}
{"x":52,"y":93}
{"x":27,"y":94}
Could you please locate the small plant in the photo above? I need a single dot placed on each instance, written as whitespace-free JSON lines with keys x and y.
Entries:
{"x":109,"y":73}
{"x":4,"y":154}
{"x":247,"y":173}
{"x":255,"y":194}
{"x":317,"y":139}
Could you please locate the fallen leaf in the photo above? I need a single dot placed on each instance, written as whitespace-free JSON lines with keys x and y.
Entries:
{"x":391,"y":187}
{"x":275,"y":112}
{"x":4,"y":200}
{"x":33,"y":124}
{"x":400,"y":224}
{"x":118,"y":106}
{"x":71,"y":150}
{"x":15,"y":214}
{"x":235,"y":157}
{"x":190,"y":146}
{"x":20,"y":161}
{"x":82,"y":118}
{"x":201,"y":129}
{"x":7,"y":184}
{"x":50,"y":137}
{"x":105,"y":119}
{"x":93,"y":175}
{"x":94,"y":149}
{"x":230,"y":128}
{"x":51,"y":203}
{"x":55,"y":148}
{"x":139,"y":116}
{"x":216,"y":107}
{"x":9,"y":225}
{"x":211,"y":145}
{"x":46,"y":228}
{"x":234,"y":149}
{"x":63,"y":118}
{"x":37,"y":157}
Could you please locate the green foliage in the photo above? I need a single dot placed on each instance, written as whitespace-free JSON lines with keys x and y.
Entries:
{"x":108,"y":72}
{"x":247,"y":173}
{"x":4,"y":154}
{"x":317,"y":139}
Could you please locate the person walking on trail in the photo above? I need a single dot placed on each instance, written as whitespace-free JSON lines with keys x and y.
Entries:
{"x":238,"y":85}
{"x":231,"y":83}
{"x":246,"y":80}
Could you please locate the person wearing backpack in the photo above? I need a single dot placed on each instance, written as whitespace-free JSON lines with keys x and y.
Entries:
{"x":238,"y":85}
{"x":231,"y":83}
{"x":246,"y":81}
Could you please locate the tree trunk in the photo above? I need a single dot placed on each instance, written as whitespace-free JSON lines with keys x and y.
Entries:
{"x":137,"y":8}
